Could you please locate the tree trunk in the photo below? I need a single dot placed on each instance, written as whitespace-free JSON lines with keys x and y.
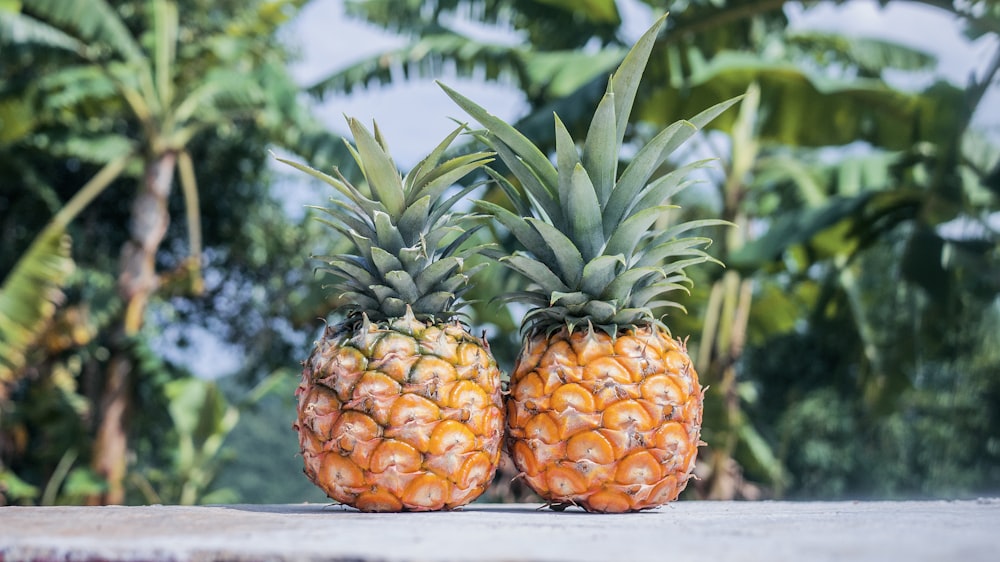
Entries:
{"x":729,"y":307}
{"x":137,"y":281}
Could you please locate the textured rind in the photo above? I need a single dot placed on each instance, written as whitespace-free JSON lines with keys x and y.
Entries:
{"x":609,"y":424}
{"x":400,"y":417}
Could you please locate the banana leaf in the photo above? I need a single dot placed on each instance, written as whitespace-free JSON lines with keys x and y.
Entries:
{"x":30,"y":294}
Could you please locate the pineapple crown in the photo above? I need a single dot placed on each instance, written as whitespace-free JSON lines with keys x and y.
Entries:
{"x":409,"y":248}
{"x":593,"y":255}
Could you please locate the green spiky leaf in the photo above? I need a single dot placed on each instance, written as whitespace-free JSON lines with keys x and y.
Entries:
{"x":520,"y":202}
{"x":567,"y":257}
{"x":600,"y":272}
{"x":522,"y":231}
{"x":379,"y":169}
{"x":678,"y":229}
{"x":576,"y":299}
{"x":638,"y":172}
{"x":598,"y":259}
{"x":385,"y":262}
{"x":666,"y":186}
{"x":352,"y":268}
{"x":584,"y":214}
{"x":600,"y":151}
{"x":413,"y":220}
{"x":436,"y":181}
{"x":345,"y":188}
{"x":387,"y":234}
{"x":430,"y":303}
{"x":624,"y":284}
{"x":404,"y":285}
{"x":626,"y":237}
{"x":437,"y":272}
{"x":410,"y":241}
{"x":448,"y":206}
{"x":540,"y":196}
{"x":679,"y":247}
{"x":537,"y":272}
{"x":625,"y":81}
{"x":567,"y":159}
{"x":425,"y":170}
{"x":644,"y":296}
{"x":518,"y":143}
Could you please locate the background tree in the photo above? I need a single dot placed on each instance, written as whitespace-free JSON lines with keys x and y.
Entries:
{"x":138,"y":89}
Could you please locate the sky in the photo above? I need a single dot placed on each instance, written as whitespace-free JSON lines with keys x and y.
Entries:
{"x":417,"y":114}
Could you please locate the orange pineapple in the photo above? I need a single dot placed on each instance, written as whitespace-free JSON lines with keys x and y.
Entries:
{"x":605,"y":406}
{"x":399,"y":406}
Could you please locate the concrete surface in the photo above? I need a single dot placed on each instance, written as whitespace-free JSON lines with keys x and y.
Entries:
{"x":968,"y":531}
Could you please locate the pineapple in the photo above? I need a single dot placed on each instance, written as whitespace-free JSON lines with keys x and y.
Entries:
{"x":399,"y":407}
{"x":605,"y":407}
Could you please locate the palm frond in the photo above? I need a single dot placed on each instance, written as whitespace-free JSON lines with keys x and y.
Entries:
{"x":17,"y":29}
{"x":91,"y":21}
{"x":427,"y":57}
{"x":597,"y":11}
{"x":98,"y":149}
{"x":29,"y":297}
{"x":32,"y":290}
{"x":405,"y":16}
{"x":540,"y":74}
{"x":218,"y":96}
{"x":870,"y":56}
{"x":816,"y":109}
{"x":547,"y":24}
{"x":70,"y":86}
{"x":852,"y":108}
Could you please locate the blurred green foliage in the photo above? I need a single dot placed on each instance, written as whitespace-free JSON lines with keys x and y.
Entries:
{"x":224,"y":99}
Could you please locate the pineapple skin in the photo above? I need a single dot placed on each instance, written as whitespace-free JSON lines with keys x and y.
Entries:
{"x":400,"y":416}
{"x":608,"y":424}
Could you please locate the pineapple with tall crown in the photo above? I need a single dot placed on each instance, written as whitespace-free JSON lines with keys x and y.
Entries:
{"x":399,"y":406}
{"x":605,"y":406}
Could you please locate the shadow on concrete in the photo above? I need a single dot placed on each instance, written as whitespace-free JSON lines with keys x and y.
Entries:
{"x":331,"y":508}
{"x":291,"y":509}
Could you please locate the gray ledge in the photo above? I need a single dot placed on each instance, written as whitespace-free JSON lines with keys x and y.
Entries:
{"x":696,"y":531}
